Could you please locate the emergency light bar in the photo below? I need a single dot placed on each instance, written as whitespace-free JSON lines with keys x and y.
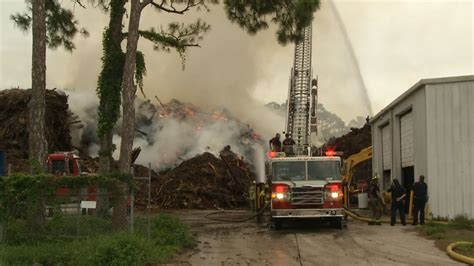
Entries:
{"x":275,"y":154}
{"x":331,"y":153}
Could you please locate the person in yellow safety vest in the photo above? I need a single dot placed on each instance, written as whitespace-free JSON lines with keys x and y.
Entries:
{"x":376,"y":202}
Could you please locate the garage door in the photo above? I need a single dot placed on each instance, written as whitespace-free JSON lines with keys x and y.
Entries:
{"x":386,"y":148}
{"x":406,"y":139}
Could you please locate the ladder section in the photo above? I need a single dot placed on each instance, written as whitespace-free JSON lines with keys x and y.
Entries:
{"x":299,"y":95}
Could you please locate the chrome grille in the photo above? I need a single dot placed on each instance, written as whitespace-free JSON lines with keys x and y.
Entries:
{"x":307,"y":195}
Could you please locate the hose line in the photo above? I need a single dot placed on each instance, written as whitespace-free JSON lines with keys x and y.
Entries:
{"x":209,"y":216}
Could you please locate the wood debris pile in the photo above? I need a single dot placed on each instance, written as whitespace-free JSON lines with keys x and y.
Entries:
{"x":14,"y":121}
{"x":202,"y":182}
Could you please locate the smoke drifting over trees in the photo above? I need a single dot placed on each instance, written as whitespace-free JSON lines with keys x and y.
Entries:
{"x":329,"y":124}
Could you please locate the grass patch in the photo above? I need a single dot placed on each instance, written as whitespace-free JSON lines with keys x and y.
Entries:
{"x":467,"y":250}
{"x":99,"y":245}
{"x":458,"y":229}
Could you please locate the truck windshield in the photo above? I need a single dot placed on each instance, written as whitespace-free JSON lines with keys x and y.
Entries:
{"x":322,"y":170}
{"x":289,"y":171}
{"x":59,"y":166}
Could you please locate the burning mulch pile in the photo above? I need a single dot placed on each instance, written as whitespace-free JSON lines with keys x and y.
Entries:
{"x":203,"y":182}
{"x":14,"y":121}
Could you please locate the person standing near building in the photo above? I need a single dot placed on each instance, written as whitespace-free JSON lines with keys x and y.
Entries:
{"x":398,"y":194}
{"x":376,"y":202}
{"x":420,"y":197}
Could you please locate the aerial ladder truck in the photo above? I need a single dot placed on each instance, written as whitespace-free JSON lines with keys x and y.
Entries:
{"x":302,"y":185}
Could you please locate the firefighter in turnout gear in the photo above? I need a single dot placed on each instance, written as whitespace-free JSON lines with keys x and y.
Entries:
{"x":288,"y":144}
{"x":376,"y":202}
{"x":275,"y":143}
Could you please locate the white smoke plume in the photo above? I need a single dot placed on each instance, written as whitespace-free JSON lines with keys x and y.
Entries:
{"x":168,"y":135}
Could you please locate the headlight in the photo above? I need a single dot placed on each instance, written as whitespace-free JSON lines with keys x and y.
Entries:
{"x":280,"y":196}
{"x":334,"y":195}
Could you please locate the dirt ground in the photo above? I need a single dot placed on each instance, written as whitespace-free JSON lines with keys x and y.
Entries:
{"x":306,"y":243}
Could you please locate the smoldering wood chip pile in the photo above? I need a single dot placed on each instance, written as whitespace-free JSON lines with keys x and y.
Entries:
{"x":202,"y":182}
{"x":14,"y":120}
{"x":352,"y":142}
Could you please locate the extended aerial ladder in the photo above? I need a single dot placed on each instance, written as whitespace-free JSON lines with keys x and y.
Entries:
{"x":301,"y":121}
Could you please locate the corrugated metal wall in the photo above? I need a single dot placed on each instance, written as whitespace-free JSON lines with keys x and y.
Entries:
{"x":386,"y":148}
{"x":406,"y":139}
{"x":450,"y":139}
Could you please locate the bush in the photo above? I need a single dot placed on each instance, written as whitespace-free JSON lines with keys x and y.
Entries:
{"x":52,"y":253}
{"x":124,"y":249}
{"x":168,"y":237}
{"x":167,"y":230}
{"x":117,"y":249}
{"x":62,"y":226}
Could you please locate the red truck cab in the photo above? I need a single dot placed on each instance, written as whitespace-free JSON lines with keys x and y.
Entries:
{"x":68,"y":164}
{"x":64,"y":163}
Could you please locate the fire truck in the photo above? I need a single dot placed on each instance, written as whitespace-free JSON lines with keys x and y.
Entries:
{"x":305,"y":187}
{"x":69,"y":164}
{"x":64,"y":163}
{"x":302,"y":185}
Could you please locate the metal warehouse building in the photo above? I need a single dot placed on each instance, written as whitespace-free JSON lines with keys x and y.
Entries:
{"x":429,"y":130}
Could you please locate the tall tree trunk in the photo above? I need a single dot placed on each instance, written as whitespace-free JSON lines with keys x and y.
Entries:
{"x":110,"y":81}
{"x":129,"y":89}
{"x":38,"y":146}
{"x":36,"y":126}
{"x":128,"y":103}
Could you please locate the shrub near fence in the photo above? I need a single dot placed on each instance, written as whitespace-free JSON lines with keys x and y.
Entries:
{"x":36,"y":228}
{"x":35,"y":208}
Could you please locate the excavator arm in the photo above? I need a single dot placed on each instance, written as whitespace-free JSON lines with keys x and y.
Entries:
{"x":354,"y":160}
{"x":348,"y":170}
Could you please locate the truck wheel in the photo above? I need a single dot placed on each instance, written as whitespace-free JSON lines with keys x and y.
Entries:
{"x":275,"y":224}
{"x":337,"y":223}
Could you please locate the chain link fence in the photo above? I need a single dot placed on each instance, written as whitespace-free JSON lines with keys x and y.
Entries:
{"x":74,"y":213}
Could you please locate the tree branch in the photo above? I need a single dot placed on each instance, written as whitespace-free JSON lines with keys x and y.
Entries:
{"x":172,"y":9}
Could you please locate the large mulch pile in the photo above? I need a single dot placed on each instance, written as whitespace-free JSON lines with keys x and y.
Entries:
{"x":14,"y":121}
{"x":202,"y":182}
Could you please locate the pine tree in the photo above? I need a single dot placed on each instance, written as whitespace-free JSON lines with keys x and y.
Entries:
{"x":53,"y":26}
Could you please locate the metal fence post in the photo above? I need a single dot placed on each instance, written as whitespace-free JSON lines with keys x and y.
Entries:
{"x":149,"y":199}
{"x":78,"y":217}
{"x":132,"y":203}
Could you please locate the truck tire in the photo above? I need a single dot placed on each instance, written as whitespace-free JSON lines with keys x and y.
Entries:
{"x":337,"y":223}
{"x":275,"y":224}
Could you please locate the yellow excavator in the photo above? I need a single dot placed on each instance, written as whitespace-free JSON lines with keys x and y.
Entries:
{"x":348,"y":169}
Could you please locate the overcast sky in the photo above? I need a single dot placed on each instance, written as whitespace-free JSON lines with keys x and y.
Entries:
{"x":396,"y":43}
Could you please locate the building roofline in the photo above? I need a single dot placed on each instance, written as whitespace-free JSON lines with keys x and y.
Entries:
{"x":419,"y":85}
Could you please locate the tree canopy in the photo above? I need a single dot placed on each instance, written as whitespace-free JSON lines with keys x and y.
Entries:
{"x":291,"y":16}
{"x":61,"y":25}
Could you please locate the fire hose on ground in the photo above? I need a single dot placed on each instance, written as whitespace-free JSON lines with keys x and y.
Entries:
{"x":459,"y":257}
{"x":209,"y":216}
{"x":260,"y":205}
{"x":450,"y":249}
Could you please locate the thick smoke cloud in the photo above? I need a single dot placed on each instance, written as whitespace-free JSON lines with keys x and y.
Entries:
{"x":397,"y":43}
